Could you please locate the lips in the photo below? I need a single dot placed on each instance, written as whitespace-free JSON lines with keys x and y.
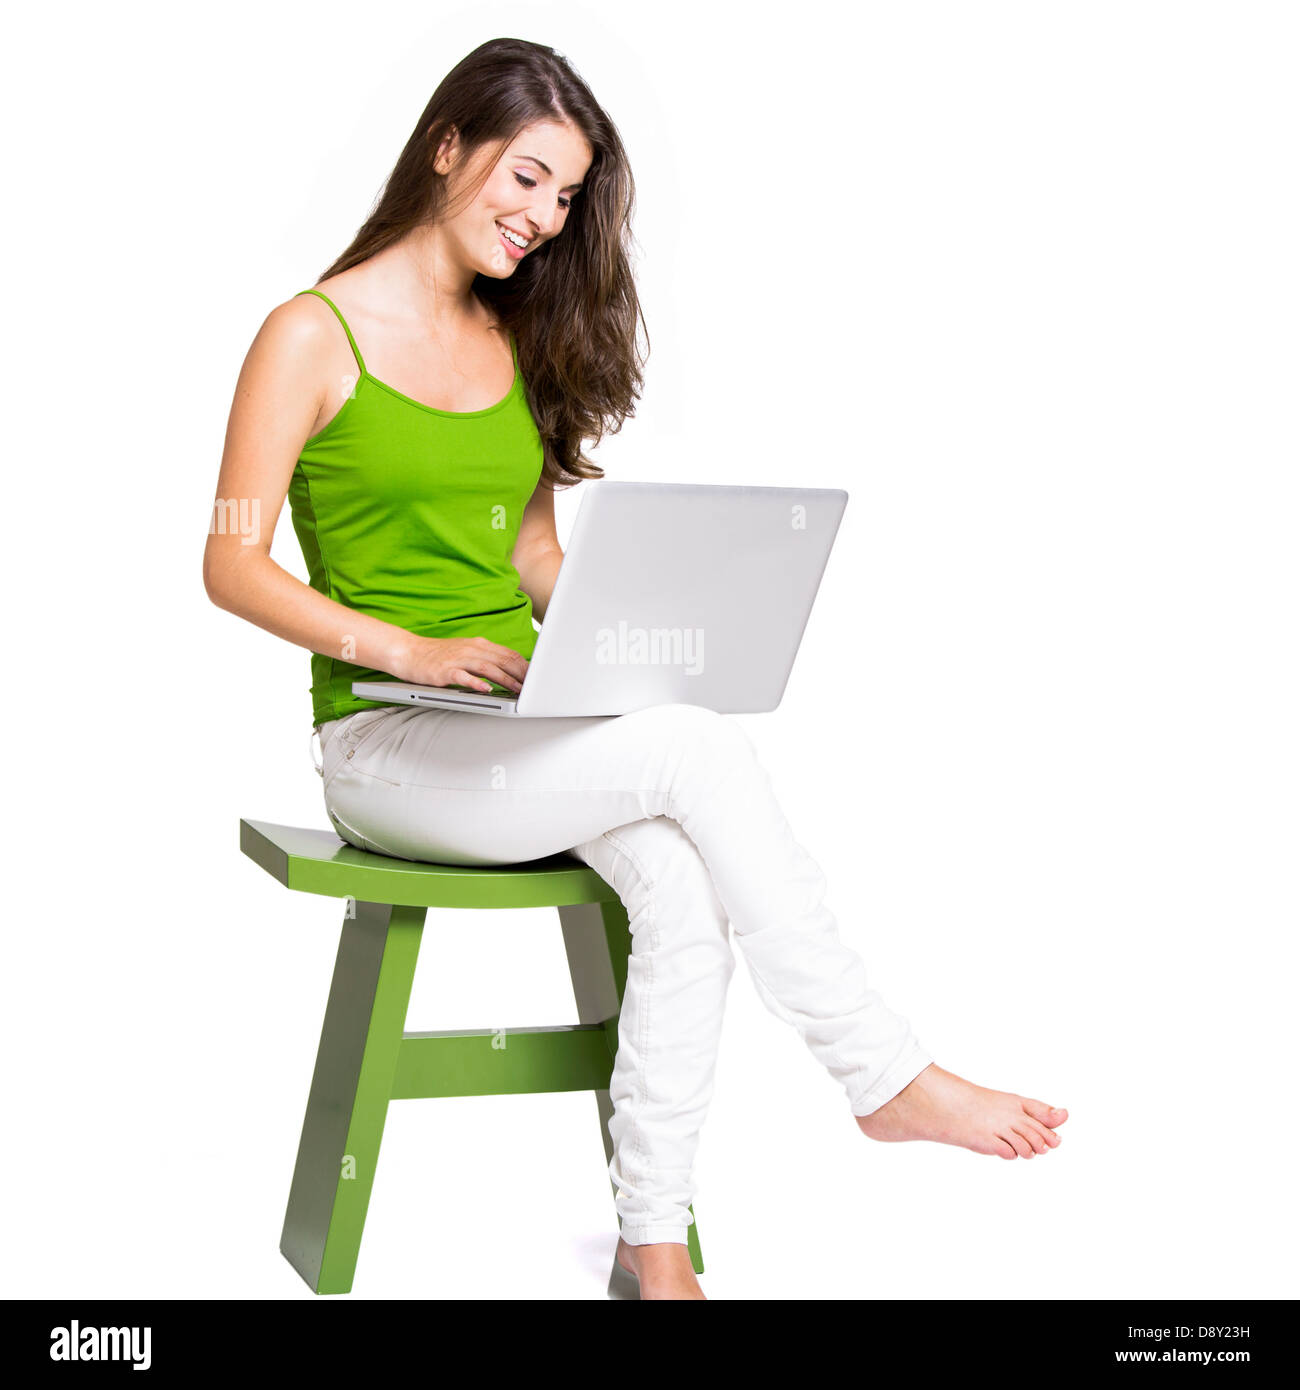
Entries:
{"x":523,"y":236}
{"x":516,"y":252}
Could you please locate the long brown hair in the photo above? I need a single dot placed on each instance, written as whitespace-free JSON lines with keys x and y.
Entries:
{"x":572,"y":303}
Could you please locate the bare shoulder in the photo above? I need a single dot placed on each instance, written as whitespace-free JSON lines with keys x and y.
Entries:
{"x":297,"y":350}
{"x":302,"y":325}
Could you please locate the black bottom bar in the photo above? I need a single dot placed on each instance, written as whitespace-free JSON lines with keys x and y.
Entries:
{"x":334,"y":1338}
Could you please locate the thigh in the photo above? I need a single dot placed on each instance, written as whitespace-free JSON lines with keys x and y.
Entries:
{"x":452,"y":787}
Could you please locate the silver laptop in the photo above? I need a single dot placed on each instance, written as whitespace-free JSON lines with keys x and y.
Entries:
{"x":669,"y":593}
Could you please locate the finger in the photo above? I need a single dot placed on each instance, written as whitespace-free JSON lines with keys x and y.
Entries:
{"x":506,"y":657}
{"x":485,"y":670}
{"x":514,"y":663}
{"x":500,"y":675}
{"x":463,"y":677}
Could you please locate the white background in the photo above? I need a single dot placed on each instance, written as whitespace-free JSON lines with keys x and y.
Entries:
{"x":1023,"y":279}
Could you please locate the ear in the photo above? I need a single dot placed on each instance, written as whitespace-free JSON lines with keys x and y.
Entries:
{"x":448,"y":149}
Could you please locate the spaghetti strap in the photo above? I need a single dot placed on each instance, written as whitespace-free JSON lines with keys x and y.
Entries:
{"x":356,"y":351}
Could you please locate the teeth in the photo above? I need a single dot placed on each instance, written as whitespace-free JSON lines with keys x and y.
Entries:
{"x":511,"y":237}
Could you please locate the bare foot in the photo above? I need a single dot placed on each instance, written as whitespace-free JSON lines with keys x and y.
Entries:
{"x":662,"y":1270}
{"x":949,"y":1110}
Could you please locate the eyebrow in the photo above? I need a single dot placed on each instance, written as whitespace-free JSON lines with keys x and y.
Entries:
{"x":546,"y":168}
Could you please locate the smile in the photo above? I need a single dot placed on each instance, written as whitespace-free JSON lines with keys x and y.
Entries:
{"x":515,"y":244}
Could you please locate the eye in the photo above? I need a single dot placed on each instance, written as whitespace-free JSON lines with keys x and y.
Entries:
{"x":565,"y":203}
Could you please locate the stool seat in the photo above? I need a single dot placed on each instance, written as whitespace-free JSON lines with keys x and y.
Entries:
{"x":317,"y":861}
{"x":367,"y":1059}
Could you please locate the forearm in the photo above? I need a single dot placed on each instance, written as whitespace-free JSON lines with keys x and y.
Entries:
{"x":254,"y":587}
{"x":537,"y":575}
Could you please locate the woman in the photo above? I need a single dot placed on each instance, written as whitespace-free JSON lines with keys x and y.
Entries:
{"x":419,"y":409}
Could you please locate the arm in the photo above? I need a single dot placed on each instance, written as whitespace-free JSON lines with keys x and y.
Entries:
{"x":278,"y":398}
{"x":537,"y":552}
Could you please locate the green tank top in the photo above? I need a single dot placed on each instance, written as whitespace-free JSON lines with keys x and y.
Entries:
{"x":411,"y":514}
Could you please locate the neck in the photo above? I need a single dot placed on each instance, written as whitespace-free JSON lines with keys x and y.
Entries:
{"x":422,"y":274}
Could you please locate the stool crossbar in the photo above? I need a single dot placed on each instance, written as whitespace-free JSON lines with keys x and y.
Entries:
{"x":367,"y":1058}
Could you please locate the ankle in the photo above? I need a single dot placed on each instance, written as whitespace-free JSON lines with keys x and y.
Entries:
{"x":662,"y":1269}
{"x":659,"y":1254}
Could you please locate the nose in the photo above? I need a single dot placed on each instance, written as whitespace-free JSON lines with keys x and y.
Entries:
{"x":544,"y":218}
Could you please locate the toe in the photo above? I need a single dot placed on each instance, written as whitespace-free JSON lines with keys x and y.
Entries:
{"x":1019,"y":1144}
{"x":1031,"y":1136}
{"x":1047,"y":1136}
{"x":1049,"y":1115}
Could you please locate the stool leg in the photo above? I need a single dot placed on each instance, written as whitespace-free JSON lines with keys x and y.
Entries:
{"x":597,"y":943}
{"x":349,"y":1096}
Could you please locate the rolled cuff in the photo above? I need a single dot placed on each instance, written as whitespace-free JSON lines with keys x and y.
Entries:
{"x":900,"y":1074}
{"x":654,"y":1235}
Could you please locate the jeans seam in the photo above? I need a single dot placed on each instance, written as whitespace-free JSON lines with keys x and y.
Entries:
{"x":647,"y":883}
{"x":347,"y":766}
{"x":366,"y":843}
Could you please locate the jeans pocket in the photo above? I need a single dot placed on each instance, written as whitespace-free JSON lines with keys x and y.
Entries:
{"x":347,"y":736}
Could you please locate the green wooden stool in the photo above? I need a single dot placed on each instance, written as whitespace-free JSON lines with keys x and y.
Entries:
{"x":366,"y":1058}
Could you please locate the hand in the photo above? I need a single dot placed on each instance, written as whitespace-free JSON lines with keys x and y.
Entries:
{"x":461,"y":661}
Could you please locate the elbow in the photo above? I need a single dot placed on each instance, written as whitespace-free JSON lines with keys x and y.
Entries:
{"x":212,"y":579}
{"x":538,"y":565}
{"x":220,"y":581}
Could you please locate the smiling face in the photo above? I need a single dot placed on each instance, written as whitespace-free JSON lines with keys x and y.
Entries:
{"x":524,"y":200}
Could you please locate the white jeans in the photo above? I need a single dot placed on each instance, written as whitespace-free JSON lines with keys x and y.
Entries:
{"x":673,"y":810}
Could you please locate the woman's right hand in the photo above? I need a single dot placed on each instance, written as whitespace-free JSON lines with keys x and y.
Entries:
{"x":470,"y":661}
